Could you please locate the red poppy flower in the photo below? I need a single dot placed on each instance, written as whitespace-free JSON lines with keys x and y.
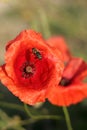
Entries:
{"x":31,"y":67}
{"x":58,"y":42}
{"x":72,"y":89}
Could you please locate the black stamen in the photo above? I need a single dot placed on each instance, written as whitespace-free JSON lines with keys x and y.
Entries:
{"x":27,"y":70}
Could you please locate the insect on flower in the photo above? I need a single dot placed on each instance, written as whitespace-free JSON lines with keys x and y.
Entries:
{"x":23,"y":75}
{"x":36,"y":53}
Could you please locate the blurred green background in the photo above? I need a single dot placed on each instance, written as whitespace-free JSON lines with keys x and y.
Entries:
{"x":50,"y":17}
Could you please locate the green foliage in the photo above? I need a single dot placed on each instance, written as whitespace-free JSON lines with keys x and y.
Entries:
{"x":9,"y":123}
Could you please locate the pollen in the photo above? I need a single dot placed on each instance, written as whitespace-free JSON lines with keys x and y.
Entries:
{"x":28,"y":69}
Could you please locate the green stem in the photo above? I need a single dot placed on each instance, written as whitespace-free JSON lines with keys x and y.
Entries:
{"x":44,"y":21}
{"x":27,"y":111}
{"x":11,"y":105}
{"x":67,"y":118}
{"x":27,"y":122}
{"x":40,"y":117}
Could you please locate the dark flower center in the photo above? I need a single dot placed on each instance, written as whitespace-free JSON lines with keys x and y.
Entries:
{"x":64,"y":82}
{"x":27,"y":70}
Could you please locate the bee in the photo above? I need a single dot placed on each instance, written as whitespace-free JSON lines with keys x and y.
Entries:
{"x":36,"y":53}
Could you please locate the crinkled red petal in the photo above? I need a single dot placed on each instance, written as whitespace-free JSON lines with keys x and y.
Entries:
{"x":23,"y":36}
{"x":65,"y":96}
{"x":76,"y":69}
{"x":28,"y":96}
{"x":59,"y":43}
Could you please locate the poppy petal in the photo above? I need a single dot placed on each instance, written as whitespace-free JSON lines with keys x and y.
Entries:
{"x":59,"y":43}
{"x":23,"y":36}
{"x":30,"y":97}
{"x":65,"y":96}
{"x":75,"y":69}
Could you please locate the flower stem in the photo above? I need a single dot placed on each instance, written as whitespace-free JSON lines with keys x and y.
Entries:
{"x":67,"y":118}
{"x":27,"y":111}
{"x":44,"y":21}
{"x":27,"y":122}
{"x":11,"y":106}
{"x":40,"y":117}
